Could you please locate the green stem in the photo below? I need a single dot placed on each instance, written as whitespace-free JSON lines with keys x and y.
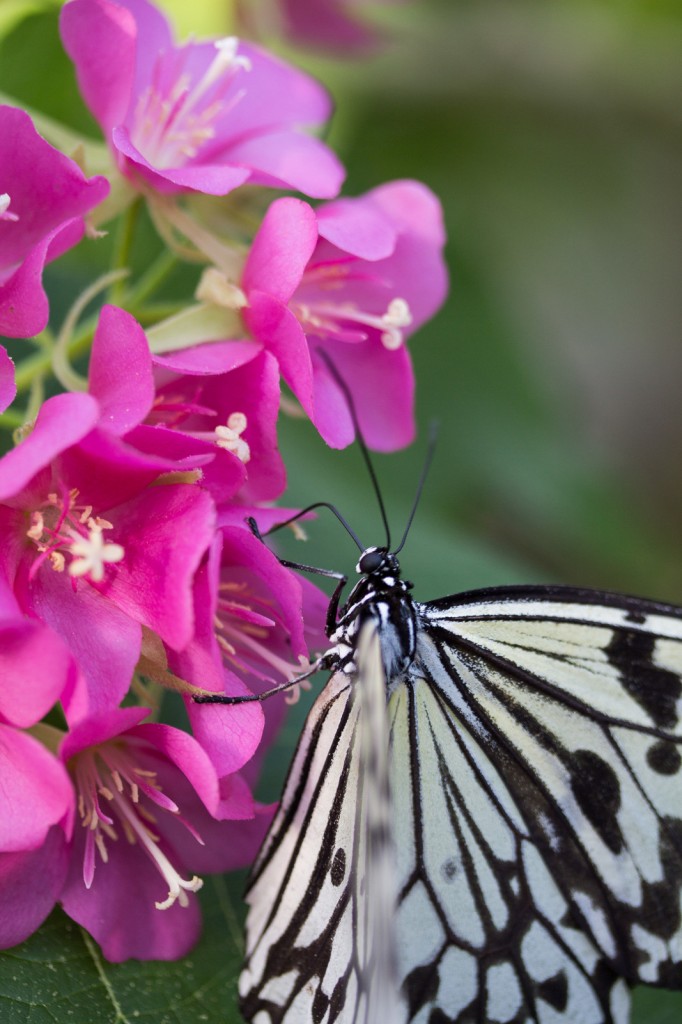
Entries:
{"x":12,"y":418}
{"x":40,"y":363}
{"x":122,"y":249}
{"x":152,"y":279}
{"x":156,"y":311}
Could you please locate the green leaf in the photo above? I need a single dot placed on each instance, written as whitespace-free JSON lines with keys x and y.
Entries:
{"x":36,"y":71}
{"x":59,"y":974}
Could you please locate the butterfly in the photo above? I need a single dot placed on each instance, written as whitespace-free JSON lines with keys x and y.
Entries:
{"x":483,"y":818}
{"x":482,"y":822}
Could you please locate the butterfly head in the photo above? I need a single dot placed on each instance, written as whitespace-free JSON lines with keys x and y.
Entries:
{"x":377,"y":562}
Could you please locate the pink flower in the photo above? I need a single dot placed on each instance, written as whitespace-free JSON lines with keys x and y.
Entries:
{"x":44,"y":199}
{"x":152,"y":812}
{"x":255,"y":623}
{"x":227,"y":394}
{"x":204,"y":117}
{"x":351,"y":280}
{"x":36,"y":823}
{"x":320,"y":24}
{"x":217,"y":403}
{"x":96,"y":548}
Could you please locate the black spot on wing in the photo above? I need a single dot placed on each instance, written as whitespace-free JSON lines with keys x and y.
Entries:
{"x":655,"y":689}
{"x":555,"y":991}
{"x":420,"y":987}
{"x":338,"y":868}
{"x":438,"y":1017}
{"x":634,"y":616}
{"x":449,"y":869}
{"x":664,"y":757}
{"x":596,"y":788}
{"x":320,"y":1006}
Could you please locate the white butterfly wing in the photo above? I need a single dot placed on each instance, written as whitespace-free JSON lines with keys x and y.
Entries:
{"x":319,"y":947}
{"x":535,"y":760}
{"x":535,"y":814}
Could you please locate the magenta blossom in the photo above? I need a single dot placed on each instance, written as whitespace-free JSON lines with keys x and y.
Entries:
{"x":44,"y":199}
{"x":218,"y":402}
{"x":36,"y":823}
{"x":96,"y":546}
{"x":251,"y":634}
{"x":204,"y":117}
{"x":227,"y":394}
{"x":152,"y":812}
{"x":350,"y":281}
{"x":319,"y":24}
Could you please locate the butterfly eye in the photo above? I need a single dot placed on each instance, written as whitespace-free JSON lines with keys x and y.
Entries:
{"x":372,"y":560}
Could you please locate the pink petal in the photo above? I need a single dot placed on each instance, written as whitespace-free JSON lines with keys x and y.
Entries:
{"x":413,"y":207}
{"x":275,"y":93}
{"x":101,"y":40}
{"x":277,"y":328}
{"x":252,"y":389}
{"x":30,"y":882}
{"x":357,"y":227}
{"x":8,"y":388}
{"x":36,"y":792}
{"x":62,"y":421}
{"x":35,"y":667}
{"x":213,"y":179}
{"x":170,"y":450}
{"x":242,"y":550}
{"x":24,"y":307}
{"x":98,"y":728}
{"x":107,"y":471}
{"x":213,"y":358}
{"x":154,"y":36}
{"x":382,"y":385}
{"x":281,"y":249}
{"x":229,"y":734}
{"x":187,"y":756}
{"x":9,"y":607}
{"x":105,"y":641}
{"x":331,"y":414}
{"x":120,"y":374}
{"x":47,"y":189}
{"x":288,"y":159}
{"x":165,"y":533}
{"x":229,"y":843}
{"x":118,"y":910}
{"x":327,"y":24}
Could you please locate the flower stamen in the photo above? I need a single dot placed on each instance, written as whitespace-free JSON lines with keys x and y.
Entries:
{"x":62,"y":527}
{"x":170,"y":129}
{"x":109,"y":771}
{"x":229,"y":436}
{"x":5,"y":212}
{"x":333,"y":320}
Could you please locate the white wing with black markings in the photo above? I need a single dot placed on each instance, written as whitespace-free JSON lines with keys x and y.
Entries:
{"x":319,"y":945}
{"x":548,"y":858}
{"x":522,"y":863}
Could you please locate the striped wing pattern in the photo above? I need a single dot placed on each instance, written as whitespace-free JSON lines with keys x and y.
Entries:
{"x":536,"y":813}
{"x":322,"y":894}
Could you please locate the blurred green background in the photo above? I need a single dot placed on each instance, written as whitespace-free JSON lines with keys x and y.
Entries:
{"x":550,"y":129}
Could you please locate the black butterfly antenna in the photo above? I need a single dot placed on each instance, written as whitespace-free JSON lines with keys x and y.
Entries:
{"x":433,"y":437}
{"x":361,"y":441}
{"x":321,"y":662}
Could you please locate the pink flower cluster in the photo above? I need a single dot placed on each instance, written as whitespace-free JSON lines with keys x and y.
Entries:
{"x":126,"y":563}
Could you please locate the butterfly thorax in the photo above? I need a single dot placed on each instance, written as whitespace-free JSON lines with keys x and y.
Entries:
{"x":382,"y":596}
